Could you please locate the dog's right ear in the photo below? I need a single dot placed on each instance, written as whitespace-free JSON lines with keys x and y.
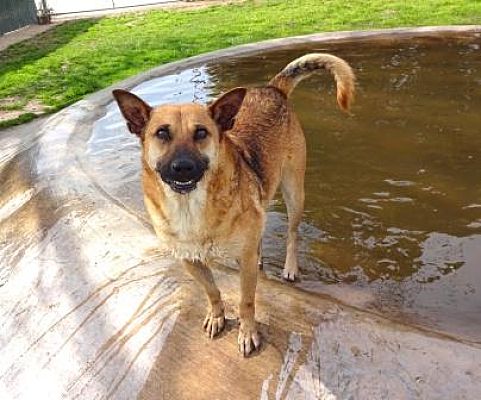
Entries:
{"x":135,"y":111}
{"x":226,"y":107}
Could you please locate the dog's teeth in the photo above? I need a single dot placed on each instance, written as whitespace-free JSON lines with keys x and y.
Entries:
{"x":184,"y":183}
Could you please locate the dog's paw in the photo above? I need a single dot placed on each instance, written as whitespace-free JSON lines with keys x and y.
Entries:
{"x":214,"y":324}
{"x":290,"y":274}
{"x":249,"y":339}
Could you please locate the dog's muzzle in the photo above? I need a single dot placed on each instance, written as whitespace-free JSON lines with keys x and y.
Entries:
{"x":183,"y":172}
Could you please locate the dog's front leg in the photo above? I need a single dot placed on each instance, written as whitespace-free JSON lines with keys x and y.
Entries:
{"x":249,"y":338}
{"x":215,"y":320}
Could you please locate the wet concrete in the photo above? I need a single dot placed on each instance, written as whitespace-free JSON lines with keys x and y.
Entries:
{"x":90,"y":310}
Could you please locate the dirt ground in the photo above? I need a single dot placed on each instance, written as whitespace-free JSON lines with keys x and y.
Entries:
{"x":174,"y":5}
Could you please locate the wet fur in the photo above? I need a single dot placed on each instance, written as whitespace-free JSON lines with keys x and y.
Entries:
{"x":256,"y":144}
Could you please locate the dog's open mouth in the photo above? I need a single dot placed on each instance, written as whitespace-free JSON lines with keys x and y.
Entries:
{"x":183,"y":187}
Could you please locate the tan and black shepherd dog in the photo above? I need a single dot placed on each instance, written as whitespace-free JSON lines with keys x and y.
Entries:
{"x":209,"y":172}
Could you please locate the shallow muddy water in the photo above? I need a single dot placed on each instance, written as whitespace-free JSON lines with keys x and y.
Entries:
{"x":393,"y":192}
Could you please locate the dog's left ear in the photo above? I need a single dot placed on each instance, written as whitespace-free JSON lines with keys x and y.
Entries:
{"x":226,"y":107}
{"x":134,"y":109}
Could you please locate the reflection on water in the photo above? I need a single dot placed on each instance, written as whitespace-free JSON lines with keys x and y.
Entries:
{"x":393,"y":193}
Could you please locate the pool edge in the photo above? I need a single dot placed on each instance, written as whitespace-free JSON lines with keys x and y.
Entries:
{"x":246,"y":49}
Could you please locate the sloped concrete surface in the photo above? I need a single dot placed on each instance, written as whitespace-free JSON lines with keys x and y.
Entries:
{"x":89,"y":310}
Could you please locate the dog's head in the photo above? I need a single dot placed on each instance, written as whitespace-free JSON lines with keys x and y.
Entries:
{"x":180,"y":142}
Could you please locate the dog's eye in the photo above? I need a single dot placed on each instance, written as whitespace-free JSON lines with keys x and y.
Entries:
{"x":163,"y":133}
{"x":200,"y":133}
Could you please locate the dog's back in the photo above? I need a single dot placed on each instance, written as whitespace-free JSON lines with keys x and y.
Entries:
{"x":267,"y":132}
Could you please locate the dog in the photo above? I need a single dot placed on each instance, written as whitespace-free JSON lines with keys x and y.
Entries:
{"x":209,"y":173}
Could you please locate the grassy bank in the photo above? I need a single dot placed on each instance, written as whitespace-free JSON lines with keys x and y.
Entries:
{"x":62,"y":65}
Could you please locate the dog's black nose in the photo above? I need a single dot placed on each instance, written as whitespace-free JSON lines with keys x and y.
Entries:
{"x":183,"y":171}
{"x":184,"y":165}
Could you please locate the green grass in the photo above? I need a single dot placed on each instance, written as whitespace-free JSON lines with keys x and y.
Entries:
{"x":64,"y":64}
{"x":25,"y":117}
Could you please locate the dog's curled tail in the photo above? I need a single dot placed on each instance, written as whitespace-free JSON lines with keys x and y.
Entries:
{"x":305,"y":66}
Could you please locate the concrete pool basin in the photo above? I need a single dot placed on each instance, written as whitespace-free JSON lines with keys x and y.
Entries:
{"x":89,"y":309}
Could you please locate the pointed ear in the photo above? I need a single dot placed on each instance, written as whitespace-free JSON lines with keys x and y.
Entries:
{"x":135,"y":111}
{"x":224,"y":110}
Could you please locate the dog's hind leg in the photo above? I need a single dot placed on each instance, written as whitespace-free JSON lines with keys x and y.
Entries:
{"x":292,"y":185}
{"x":215,"y":320}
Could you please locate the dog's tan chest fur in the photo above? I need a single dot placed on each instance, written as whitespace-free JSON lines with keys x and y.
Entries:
{"x":179,"y":223}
